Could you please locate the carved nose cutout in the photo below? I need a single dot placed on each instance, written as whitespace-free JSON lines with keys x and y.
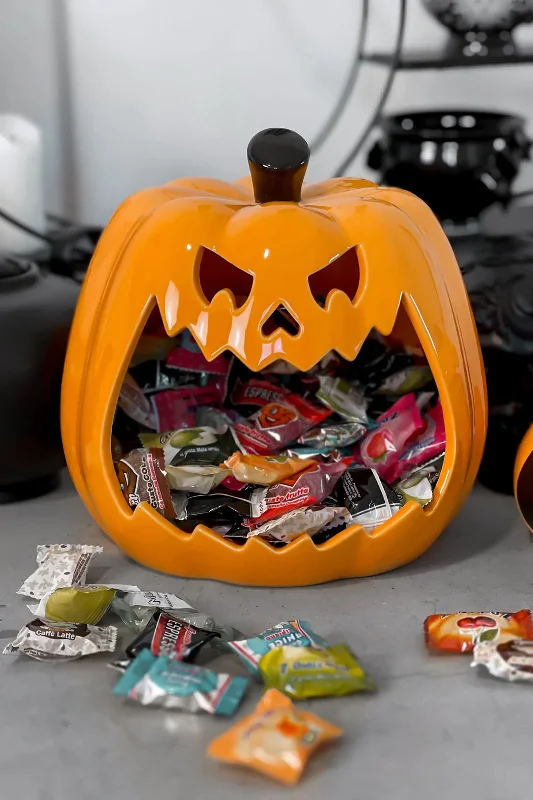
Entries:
{"x":280,"y":318}
{"x":343,"y":273}
{"x":215,"y":274}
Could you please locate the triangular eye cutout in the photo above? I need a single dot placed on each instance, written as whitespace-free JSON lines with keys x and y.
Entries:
{"x":215,"y":274}
{"x":342,"y":273}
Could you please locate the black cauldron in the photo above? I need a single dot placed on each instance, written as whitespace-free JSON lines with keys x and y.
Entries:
{"x":459,"y":162}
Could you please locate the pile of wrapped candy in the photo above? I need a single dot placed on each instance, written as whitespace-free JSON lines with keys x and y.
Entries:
{"x":167,"y":640}
{"x":279,"y":453}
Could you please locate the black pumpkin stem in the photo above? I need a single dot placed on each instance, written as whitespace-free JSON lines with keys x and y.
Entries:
{"x":278,"y":161}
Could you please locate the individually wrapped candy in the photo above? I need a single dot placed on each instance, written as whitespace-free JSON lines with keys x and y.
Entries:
{"x":195,"y":477}
{"x":376,"y":362}
{"x":152,"y":376}
{"x":340,"y":522}
{"x":429,"y":444}
{"x":136,"y":608}
{"x":59,"y":565}
{"x":249,"y":395}
{"x":297,"y":522}
{"x":164,"y":682}
{"x":369,"y":499}
{"x":295,"y":632}
{"x":275,"y":425}
{"x":415,"y":487}
{"x":199,"y":446}
{"x":303,"y":672}
{"x":265,"y":470}
{"x":217,"y":418}
{"x":461,"y":631}
{"x":48,"y":641}
{"x":510,"y":661}
{"x":333,"y":436}
{"x":133,"y":402}
{"x":188,"y":357}
{"x":277,"y":739}
{"x":176,"y":408}
{"x":409,"y":379}
{"x":347,"y":400}
{"x":220,"y":507}
{"x":320,"y":454}
{"x":142,"y":478}
{"x":381,"y":448}
{"x":307,"y":488}
{"x":419,"y":484}
{"x":169,"y":635}
{"x":75,"y":604}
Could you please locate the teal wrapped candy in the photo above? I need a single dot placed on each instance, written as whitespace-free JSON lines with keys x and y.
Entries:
{"x":165,"y":682}
{"x":295,"y":632}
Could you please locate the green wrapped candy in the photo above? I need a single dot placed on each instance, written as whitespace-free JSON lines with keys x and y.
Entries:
{"x":79,"y":604}
{"x":303,"y":672}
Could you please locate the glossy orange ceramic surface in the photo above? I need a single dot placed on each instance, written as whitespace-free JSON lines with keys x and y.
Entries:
{"x":150,"y":253}
{"x":523,"y":478}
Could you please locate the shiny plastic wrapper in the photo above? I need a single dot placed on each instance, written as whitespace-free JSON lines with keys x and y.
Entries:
{"x":59,"y":565}
{"x":249,"y":395}
{"x":277,"y":739}
{"x":195,"y":478}
{"x":136,"y":608}
{"x":48,"y":641}
{"x":368,"y":498}
{"x":301,"y":520}
{"x":199,"y":446}
{"x":76,"y":604}
{"x":429,"y":444}
{"x":381,"y":448}
{"x":265,"y":470}
{"x":304,"y":672}
{"x":294,"y":632}
{"x":134,"y":403}
{"x":409,"y":379}
{"x":307,"y":488}
{"x":176,"y":408}
{"x":345,"y":399}
{"x":461,"y":631}
{"x":510,"y":661}
{"x":275,"y":425}
{"x":169,"y":635}
{"x":164,"y":682}
{"x":330,"y":437}
{"x":142,"y":478}
{"x":188,"y":357}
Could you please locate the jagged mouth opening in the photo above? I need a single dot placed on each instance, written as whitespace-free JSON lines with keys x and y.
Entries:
{"x":278,"y":454}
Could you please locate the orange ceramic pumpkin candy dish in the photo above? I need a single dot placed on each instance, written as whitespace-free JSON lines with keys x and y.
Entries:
{"x":220,"y":259}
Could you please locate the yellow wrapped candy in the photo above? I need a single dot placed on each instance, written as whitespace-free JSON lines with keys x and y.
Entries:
{"x":303,"y":672}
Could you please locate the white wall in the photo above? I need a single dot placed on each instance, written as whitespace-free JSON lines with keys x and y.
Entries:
{"x":162,"y":88}
{"x":30,"y":83}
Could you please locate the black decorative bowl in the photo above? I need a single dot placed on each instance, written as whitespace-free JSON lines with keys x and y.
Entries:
{"x":459,"y":162}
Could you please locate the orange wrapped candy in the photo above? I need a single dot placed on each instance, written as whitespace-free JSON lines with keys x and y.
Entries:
{"x":265,"y":470}
{"x":277,"y":739}
{"x":460,"y":632}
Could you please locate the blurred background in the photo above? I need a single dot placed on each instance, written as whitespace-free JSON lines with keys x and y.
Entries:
{"x":130,"y":93}
{"x":99,"y":99}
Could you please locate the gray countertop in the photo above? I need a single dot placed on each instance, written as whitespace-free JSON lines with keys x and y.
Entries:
{"x":436,"y":728}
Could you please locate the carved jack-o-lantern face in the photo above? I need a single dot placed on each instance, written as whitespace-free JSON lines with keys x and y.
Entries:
{"x":271,"y":271}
